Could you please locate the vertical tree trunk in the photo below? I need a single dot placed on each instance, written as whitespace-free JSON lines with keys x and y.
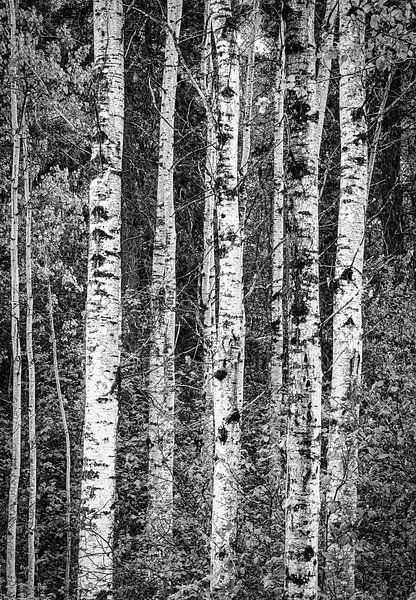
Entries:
{"x":325,"y":64}
{"x":31,"y":375}
{"x":304,"y":385}
{"x":342,"y":455}
{"x":103,"y":309}
{"x":229,"y":346}
{"x":208,"y":283}
{"x":15,"y":319}
{"x":276,"y":362}
{"x":248,"y":106}
{"x":245,"y":159}
{"x":162,"y":353}
{"x":67,"y":445}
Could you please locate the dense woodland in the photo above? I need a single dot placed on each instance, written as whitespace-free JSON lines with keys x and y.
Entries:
{"x":208,"y":300}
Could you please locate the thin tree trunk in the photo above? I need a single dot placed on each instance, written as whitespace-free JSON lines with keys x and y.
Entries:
{"x":162,"y":353}
{"x":31,"y":376}
{"x":325,"y":65}
{"x":229,"y":346}
{"x":276,"y":363}
{"x":103,"y":309}
{"x":208,"y":283}
{"x":15,"y":319}
{"x":244,"y":164}
{"x":248,"y":107}
{"x":342,"y":457}
{"x":67,"y":444}
{"x":305,"y":377}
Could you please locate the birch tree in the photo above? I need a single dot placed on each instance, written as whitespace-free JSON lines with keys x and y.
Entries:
{"x":15,"y":317}
{"x":162,"y":352}
{"x":325,"y":64}
{"x":103,"y":308}
{"x":208,"y":281}
{"x":247,"y":125}
{"x":347,"y":321}
{"x":228,"y":356}
{"x":247,"y":116}
{"x":31,"y":374}
{"x":304,"y":385}
{"x":278,"y":241}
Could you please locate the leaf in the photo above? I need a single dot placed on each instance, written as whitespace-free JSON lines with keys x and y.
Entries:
{"x":374,"y":21}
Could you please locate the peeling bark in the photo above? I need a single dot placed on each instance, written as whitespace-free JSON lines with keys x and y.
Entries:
{"x":305,"y":378}
{"x":342,"y":454}
{"x":103,"y":309}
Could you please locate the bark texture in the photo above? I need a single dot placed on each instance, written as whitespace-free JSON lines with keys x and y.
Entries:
{"x":325,"y":64}
{"x":304,"y":384}
{"x":208,"y":282}
{"x":278,"y":241}
{"x":103,"y":309}
{"x":31,"y":559}
{"x":342,"y":454}
{"x":247,"y":124}
{"x":162,"y":353}
{"x":15,"y":318}
{"x":228,"y":356}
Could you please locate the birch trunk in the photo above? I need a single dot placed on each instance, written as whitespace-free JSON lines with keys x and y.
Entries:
{"x":305,"y":378}
{"x":325,"y":64}
{"x":278,"y":241}
{"x":342,"y":455}
{"x":208,"y":283}
{"x":31,"y":375}
{"x":103,"y":309}
{"x":244,"y":164}
{"x":162,"y":353}
{"x":15,"y":319}
{"x":248,"y":107}
{"x":67,"y":445}
{"x":229,"y":346}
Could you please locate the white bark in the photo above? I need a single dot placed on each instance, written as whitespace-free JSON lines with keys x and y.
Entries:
{"x":162,"y":352}
{"x":305,"y":378}
{"x":228,"y":355}
{"x":15,"y":320}
{"x":103,"y":309}
{"x":278,"y":241}
{"x":31,"y":375}
{"x":67,"y":445}
{"x":245,"y":160}
{"x":248,"y":104}
{"x":325,"y":64}
{"x":342,"y":455}
{"x":208,"y":283}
